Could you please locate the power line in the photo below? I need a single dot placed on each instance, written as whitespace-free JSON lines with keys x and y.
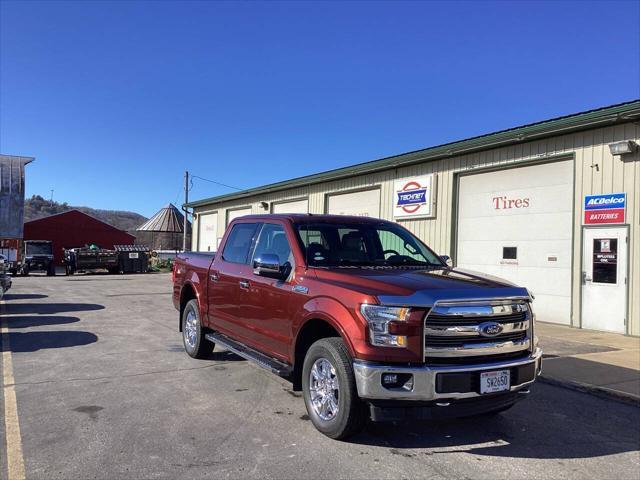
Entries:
{"x":213,"y":181}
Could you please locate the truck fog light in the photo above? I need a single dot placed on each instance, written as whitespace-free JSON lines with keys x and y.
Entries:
{"x":395,"y":381}
{"x":389,"y":379}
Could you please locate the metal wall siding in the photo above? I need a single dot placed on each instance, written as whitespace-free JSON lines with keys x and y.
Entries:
{"x":588,"y":147}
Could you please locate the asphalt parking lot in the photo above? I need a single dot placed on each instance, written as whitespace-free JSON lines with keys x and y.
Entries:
{"x":104,"y":390}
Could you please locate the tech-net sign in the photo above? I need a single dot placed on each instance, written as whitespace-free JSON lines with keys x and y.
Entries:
{"x":413,"y":197}
{"x":604,"y":209}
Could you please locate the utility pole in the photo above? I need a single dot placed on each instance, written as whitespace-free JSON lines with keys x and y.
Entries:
{"x":51,"y":201}
{"x":186,"y":200}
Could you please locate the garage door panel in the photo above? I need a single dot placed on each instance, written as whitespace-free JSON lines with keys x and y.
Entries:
{"x":517,"y":227}
{"x":557,"y":173}
{"x":207,"y":232}
{"x":552,"y":199}
{"x":553,"y":309}
{"x":297,"y":206}
{"x":362,"y":204}
{"x":530,"y":208}
{"x":529,"y":252}
{"x":240,"y":212}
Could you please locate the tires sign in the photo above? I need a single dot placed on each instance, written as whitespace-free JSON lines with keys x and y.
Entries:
{"x":604,"y":209}
{"x":413,"y":197}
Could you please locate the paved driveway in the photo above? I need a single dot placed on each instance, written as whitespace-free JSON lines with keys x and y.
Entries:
{"x":104,"y":390}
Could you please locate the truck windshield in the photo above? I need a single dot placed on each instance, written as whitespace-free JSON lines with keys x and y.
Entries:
{"x":38,"y":248}
{"x":328,"y":244}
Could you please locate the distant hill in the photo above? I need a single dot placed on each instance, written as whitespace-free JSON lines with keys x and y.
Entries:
{"x":37,"y":207}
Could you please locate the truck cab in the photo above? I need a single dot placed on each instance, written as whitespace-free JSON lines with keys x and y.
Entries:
{"x":38,"y":255}
{"x":362,"y":316}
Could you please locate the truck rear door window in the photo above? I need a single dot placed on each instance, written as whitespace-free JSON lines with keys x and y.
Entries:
{"x":238,"y":244}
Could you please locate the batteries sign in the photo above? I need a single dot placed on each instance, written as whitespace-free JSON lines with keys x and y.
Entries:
{"x":604,"y":209}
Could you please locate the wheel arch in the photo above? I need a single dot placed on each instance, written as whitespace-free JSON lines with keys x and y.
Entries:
{"x":187,"y":293}
{"x":314,"y":328}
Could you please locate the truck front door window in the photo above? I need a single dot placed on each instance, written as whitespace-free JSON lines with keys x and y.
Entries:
{"x":273,"y":240}
{"x":236,"y":249}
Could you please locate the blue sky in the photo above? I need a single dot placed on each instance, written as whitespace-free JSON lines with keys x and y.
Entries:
{"x":116,"y":99}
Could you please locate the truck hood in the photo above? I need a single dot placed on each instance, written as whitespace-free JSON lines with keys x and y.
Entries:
{"x":422,"y":287}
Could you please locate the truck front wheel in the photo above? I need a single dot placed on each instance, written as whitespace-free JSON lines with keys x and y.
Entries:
{"x":329,"y":390}
{"x":193,"y":339}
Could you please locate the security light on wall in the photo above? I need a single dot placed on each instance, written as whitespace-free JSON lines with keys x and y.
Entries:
{"x":265,"y":205}
{"x":621,"y":148}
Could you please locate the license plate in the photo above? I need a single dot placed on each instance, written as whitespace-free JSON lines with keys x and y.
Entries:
{"x":496,"y":381}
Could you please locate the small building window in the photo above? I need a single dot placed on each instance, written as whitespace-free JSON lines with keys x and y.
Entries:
{"x":510,"y":253}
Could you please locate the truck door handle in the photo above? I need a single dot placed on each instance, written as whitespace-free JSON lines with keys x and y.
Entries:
{"x":214,"y":277}
{"x":585,"y":278}
{"x":244,"y":284}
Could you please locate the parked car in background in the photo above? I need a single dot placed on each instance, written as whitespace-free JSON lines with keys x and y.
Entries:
{"x":361,"y":316}
{"x":5,"y":278}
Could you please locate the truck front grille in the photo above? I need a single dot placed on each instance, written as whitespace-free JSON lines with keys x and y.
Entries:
{"x":452,"y":320}
{"x":435,"y":341}
{"x":477,"y":330}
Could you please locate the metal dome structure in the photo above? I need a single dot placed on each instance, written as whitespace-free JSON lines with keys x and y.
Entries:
{"x":168,"y":220}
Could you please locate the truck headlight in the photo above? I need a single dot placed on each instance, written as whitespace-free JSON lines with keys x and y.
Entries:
{"x":379,"y":319}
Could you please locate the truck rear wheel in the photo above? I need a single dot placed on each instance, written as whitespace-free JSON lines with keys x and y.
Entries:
{"x":329,"y":390}
{"x":193,"y":339}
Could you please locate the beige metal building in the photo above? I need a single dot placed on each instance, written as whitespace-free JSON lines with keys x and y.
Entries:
{"x":553,"y":206}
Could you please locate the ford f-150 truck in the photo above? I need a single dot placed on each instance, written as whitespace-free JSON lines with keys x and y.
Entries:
{"x":361,"y":316}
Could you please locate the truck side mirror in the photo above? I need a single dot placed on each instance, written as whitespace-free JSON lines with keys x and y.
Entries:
{"x":446,"y":259}
{"x":268,"y":265}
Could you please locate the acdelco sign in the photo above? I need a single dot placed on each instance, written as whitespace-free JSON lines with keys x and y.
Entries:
{"x":413,"y":197}
{"x":607,"y":208}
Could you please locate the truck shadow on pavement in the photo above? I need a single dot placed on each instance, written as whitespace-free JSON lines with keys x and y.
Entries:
{"x":38,"y":321}
{"x":34,"y":341}
{"x":565,"y":426}
{"x":24,"y":296}
{"x":49,"y":308}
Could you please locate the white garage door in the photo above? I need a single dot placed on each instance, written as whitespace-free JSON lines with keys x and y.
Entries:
{"x":362,"y":204}
{"x":240,"y":212}
{"x":208,"y":232}
{"x":297,"y":206}
{"x":517,"y":224}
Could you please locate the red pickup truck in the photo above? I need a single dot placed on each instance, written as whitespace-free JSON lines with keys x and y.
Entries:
{"x":361,"y":316}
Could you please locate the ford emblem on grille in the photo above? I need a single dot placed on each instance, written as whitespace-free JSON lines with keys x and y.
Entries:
{"x":490,"y":329}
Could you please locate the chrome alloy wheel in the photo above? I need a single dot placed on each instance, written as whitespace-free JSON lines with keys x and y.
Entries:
{"x":191,"y":329}
{"x":324,"y":389}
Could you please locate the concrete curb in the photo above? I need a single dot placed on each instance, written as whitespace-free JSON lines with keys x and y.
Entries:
{"x":602,"y":392}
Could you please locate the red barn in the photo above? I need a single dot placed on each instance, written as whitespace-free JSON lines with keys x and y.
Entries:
{"x":75,"y":229}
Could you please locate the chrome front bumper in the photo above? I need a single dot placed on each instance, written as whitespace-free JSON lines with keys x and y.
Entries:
{"x":369,"y":378}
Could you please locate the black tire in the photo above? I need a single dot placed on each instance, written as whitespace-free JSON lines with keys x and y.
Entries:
{"x":51,"y":271}
{"x":351,"y":415}
{"x":201,"y":347}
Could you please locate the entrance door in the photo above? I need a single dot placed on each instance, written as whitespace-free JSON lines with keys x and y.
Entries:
{"x":604,"y":278}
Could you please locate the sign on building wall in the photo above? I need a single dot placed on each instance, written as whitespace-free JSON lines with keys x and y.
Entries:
{"x":604,"y":209}
{"x":413,"y":197}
